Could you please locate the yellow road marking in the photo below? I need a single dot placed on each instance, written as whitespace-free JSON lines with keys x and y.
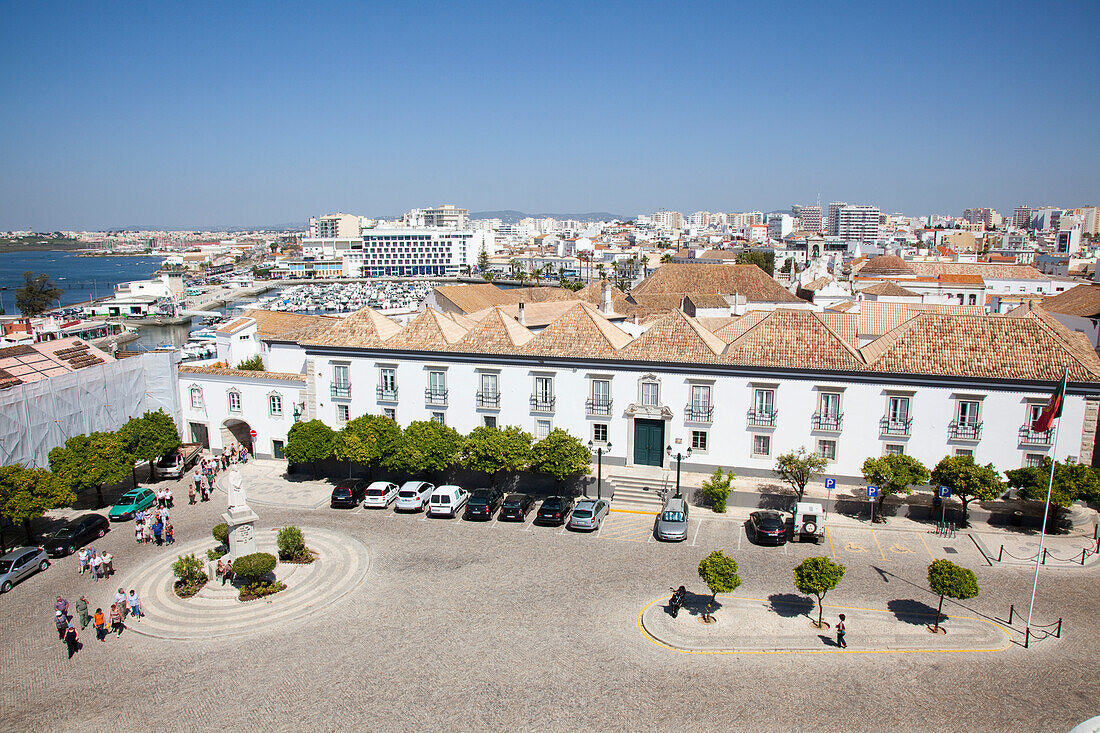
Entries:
{"x":875,"y":538}
{"x":926,"y":547}
{"x":853,"y":547}
{"x":634,"y":511}
{"x":831,"y":548}
{"x":900,"y":550}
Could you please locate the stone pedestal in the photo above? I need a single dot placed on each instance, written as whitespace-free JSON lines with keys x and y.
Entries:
{"x":242,"y":531}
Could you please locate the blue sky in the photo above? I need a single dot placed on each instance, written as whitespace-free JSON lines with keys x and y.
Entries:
{"x":187,"y":114}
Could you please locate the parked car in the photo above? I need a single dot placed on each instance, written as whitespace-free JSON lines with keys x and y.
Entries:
{"x":672,"y":524}
{"x":483,"y":503}
{"x":768,"y":527}
{"x":348,"y":494}
{"x":516,"y":507}
{"x":809,"y":522}
{"x":446,"y":500}
{"x":21,"y":563}
{"x":554,"y":510}
{"x":75,"y":533}
{"x":413,"y":496}
{"x":589,"y":514}
{"x":173,"y":466}
{"x":380,"y":494}
{"x":132,"y":501}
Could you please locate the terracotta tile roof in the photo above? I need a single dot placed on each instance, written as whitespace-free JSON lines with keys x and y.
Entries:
{"x":877,"y":317}
{"x":888,"y":289}
{"x":364,"y":327}
{"x":242,"y":373}
{"x":1083,"y":300}
{"x":7,"y":379}
{"x":949,"y":277}
{"x":842,"y":306}
{"x":496,"y":333}
{"x":276,"y":325}
{"x":582,"y":332}
{"x":429,"y":330}
{"x":473,"y":298}
{"x":747,"y":280}
{"x":676,"y":337}
{"x":845,"y":325}
{"x":233,"y":326}
{"x":464,"y":321}
{"x":986,"y":270}
{"x":708,"y":300}
{"x":714,"y":323}
{"x":793,"y":338}
{"x":884,"y":265}
{"x":534,"y":314}
{"x":732,"y":330}
{"x":816,"y":284}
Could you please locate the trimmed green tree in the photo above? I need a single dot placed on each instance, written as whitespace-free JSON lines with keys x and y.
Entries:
{"x":291,"y":543}
{"x":425,"y":445}
{"x":816,"y":576}
{"x":561,"y":455}
{"x":366,"y":440}
{"x":309,"y":442}
{"x":1072,"y":482}
{"x":799,"y":468}
{"x":37,"y":295}
{"x":719,"y":571}
{"x":497,"y":450}
{"x":252,"y":364}
{"x":220,"y":533}
{"x":255,"y":566}
{"x":150,"y":438}
{"x":951,"y":580}
{"x":28,"y":493}
{"x":968,"y":480}
{"x":764,"y":260}
{"x":92,"y":462}
{"x":717,"y":489}
{"x":894,"y":474}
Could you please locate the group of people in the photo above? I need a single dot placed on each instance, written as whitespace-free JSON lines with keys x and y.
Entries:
{"x":202,"y":482}
{"x":154,"y":525}
{"x":224,"y":572}
{"x":100,"y":565}
{"x":235,"y":453}
{"x":125,"y":604}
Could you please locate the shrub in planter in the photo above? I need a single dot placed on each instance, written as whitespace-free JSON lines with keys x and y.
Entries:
{"x":190,"y":575}
{"x":292,"y":545}
{"x":255,"y":566}
{"x":221,"y":533}
{"x":260,"y":589}
{"x":217,"y":552}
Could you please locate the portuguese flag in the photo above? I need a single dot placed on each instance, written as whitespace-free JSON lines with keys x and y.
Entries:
{"x":1053,"y":408}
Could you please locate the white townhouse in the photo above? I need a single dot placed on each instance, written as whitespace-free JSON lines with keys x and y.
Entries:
{"x":737,"y":390}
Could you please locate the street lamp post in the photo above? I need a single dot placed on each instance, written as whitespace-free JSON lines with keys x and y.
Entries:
{"x":599,"y":465}
{"x":679,"y":457}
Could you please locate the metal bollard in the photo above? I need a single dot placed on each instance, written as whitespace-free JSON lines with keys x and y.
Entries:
{"x":1011,"y":613}
{"x":1058,"y":633}
{"x":1001,"y":553}
{"x":1083,"y":555}
{"x":1027,"y":636}
{"x":1044,"y":560}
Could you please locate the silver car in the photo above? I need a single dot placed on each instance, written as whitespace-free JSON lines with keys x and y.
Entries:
{"x":21,"y":563}
{"x":588,"y":514}
{"x":672,"y":524}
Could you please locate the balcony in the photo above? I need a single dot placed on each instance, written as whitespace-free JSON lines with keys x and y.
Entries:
{"x":435,"y":396}
{"x":830,"y":422}
{"x":762,"y":418}
{"x":1031,"y":437}
{"x":387,"y":393}
{"x":964,"y":430}
{"x":488,"y":400}
{"x":895,"y":428}
{"x":341,"y":391}
{"x":600,"y":406}
{"x":698,"y":412}
{"x":542,"y":402}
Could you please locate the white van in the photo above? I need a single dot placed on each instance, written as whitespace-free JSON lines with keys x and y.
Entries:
{"x":447,"y":500}
{"x":809,"y":522}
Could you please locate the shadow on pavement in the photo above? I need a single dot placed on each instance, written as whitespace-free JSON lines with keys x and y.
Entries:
{"x":790,"y":605}
{"x":827,"y":640}
{"x":696,"y":604}
{"x":911,"y":611}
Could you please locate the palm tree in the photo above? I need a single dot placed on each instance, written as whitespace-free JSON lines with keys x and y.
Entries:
{"x":514,"y":264}
{"x":600,"y":269}
{"x":561,"y":274}
{"x":522,"y":277}
{"x":537,"y":274}
{"x":666,"y":257}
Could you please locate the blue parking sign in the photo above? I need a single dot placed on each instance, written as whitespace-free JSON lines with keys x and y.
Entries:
{"x":945,"y":492}
{"x":830,"y":483}
{"x":872,"y":492}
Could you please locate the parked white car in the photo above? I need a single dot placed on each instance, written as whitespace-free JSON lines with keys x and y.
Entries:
{"x":809,"y":522}
{"x":413,"y":496}
{"x":447,"y":501}
{"x":380,"y":494}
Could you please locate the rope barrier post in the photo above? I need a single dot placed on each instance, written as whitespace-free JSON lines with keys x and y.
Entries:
{"x":1011,"y":612}
{"x":1083,"y":555}
{"x":1044,"y":556}
{"x":1001,"y":553}
{"x":1058,"y":633}
{"x":1027,"y":636}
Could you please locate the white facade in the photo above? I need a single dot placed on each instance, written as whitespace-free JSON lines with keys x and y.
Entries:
{"x":858,"y":223}
{"x":400,"y":251}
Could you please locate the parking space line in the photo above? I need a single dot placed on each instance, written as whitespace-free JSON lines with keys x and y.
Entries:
{"x":600,"y":530}
{"x":696,"y":535}
{"x":832,"y":550}
{"x":785,"y":551}
{"x":875,"y":538}
{"x":926,"y":547}
{"x":740,"y":531}
{"x":563,"y":526}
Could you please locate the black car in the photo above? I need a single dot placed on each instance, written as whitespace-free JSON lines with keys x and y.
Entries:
{"x":75,"y":534}
{"x":768,"y":527}
{"x":516,"y":507}
{"x":554,"y":510}
{"x":482,"y":503}
{"x":348,"y":494}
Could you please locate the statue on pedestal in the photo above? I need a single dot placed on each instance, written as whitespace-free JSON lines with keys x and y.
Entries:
{"x":240,"y":519}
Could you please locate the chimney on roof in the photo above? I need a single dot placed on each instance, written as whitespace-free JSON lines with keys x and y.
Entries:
{"x":605,"y":299}
{"x":522,"y":318}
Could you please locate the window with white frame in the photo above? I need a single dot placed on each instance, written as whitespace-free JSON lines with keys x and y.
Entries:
{"x":489,"y":395}
{"x":828,"y":405}
{"x":275,"y":405}
{"x":964,"y":452}
{"x":343,"y":413}
{"x":895,"y":449}
{"x":764,"y":401}
{"x":234,"y":400}
{"x":543,"y":398}
{"x":542,"y":429}
{"x":341,"y":376}
{"x":387,"y":382}
{"x":389,"y":412}
{"x":826,"y":449}
{"x":196,"y":398}
{"x":1033,"y":413}
{"x":651,"y":394}
{"x":699,"y":440}
{"x":437,"y":385}
{"x":599,"y":432}
{"x":1034,"y":459}
{"x":968,"y":412}
{"x":489,"y":421}
{"x":440,"y":417}
{"x":897,"y":412}
{"x":599,"y":402}
{"x":761,"y":445}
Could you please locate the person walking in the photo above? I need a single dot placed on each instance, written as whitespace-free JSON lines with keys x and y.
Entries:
{"x":135,"y":604}
{"x":139,"y":532}
{"x":72,"y":640}
{"x":192,"y":493}
{"x":157,"y":529}
{"x":108,"y":565}
{"x":82,"y":612}
{"x":210,"y":482}
{"x":116,"y":621}
{"x":197,"y":479}
{"x":100,"y":624}
{"x":62,"y":607}
{"x":168,"y":498}
{"x":841,"y":631}
{"x":97,"y":567}
{"x":61,"y":623}
{"x":120,"y":601}
{"x":82,"y":556}
{"x":169,"y":534}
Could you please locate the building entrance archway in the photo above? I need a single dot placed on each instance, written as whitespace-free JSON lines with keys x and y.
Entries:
{"x":237,"y":431}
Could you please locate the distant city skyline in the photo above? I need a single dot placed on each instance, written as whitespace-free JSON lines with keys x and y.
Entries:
{"x":183,"y":116}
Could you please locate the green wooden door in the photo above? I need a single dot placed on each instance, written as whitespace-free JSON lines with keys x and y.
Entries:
{"x":649,"y":438}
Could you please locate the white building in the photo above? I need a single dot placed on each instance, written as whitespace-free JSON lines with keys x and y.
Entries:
{"x":780,"y":225}
{"x":404,"y":251}
{"x":858,"y":223}
{"x":333,"y":226}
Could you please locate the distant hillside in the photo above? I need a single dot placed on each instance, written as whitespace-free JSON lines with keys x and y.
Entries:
{"x":511,"y":216}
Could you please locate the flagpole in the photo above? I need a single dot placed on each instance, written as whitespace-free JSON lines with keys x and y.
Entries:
{"x":1046,"y":511}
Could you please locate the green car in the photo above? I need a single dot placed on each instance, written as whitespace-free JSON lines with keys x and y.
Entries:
{"x":131,"y":502}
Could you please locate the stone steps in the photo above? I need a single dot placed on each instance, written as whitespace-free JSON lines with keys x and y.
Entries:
{"x":638,"y":491}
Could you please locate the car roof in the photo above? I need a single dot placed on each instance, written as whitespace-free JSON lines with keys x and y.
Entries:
{"x":17,"y":553}
{"x":675,"y":504}
{"x":515,"y":497}
{"x":447,"y":489}
{"x":769,"y":514}
{"x":379,"y":484}
{"x":586,"y":504}
{"x":413,"y":484}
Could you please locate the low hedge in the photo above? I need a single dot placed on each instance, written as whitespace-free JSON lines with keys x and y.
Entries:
{"x":255,"y":566}
{"x":258,"y":590}
{"x":292,"y":545}
{"x":221,"y":533}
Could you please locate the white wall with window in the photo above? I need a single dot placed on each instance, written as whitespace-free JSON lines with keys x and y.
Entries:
{"x":266,"y":404}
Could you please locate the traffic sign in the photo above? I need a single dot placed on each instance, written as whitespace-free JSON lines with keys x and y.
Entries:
{"x":252,"y":433}
{"x":872,"y":492}
{"x":830,"y":483}
{"x":945,"y":492}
